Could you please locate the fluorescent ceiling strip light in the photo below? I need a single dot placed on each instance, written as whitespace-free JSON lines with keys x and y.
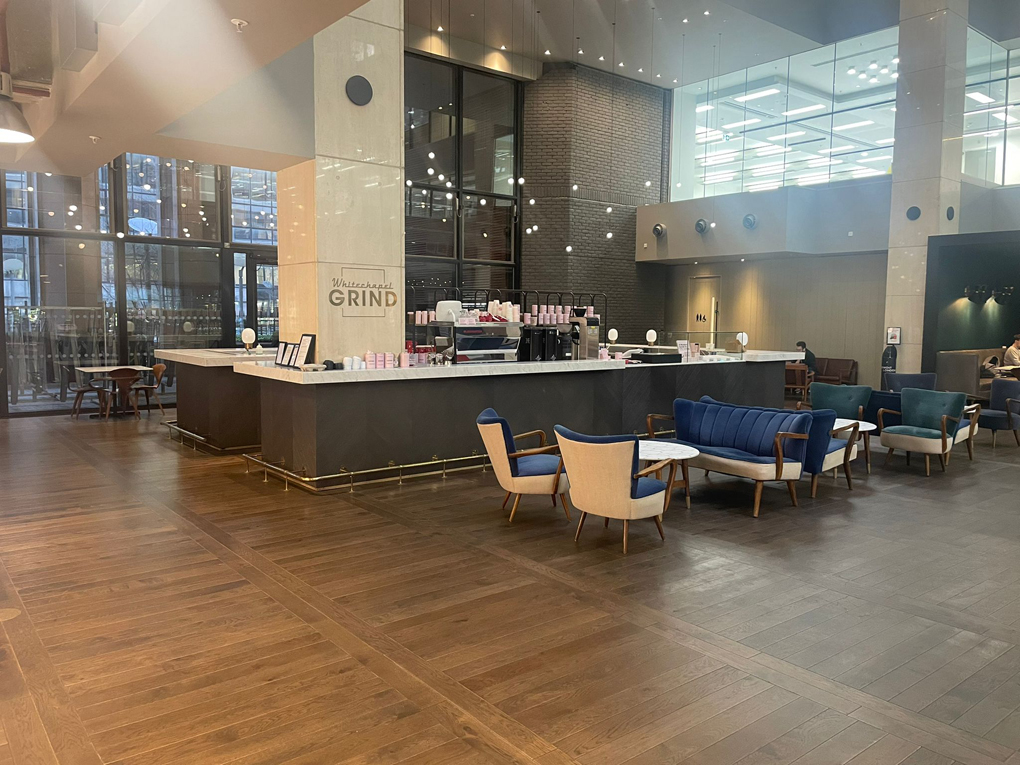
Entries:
{"x":836,"y":148}
{"x":824,"y":162}
{"x":885,"y":141}
{"x":989,"y":109}
{"x":854,"y":125}
{"x":813,"y":181}
{"x":763,"y":165}
{"x":770,"y":171}
{"x":772,"y":151}
{"x":759,"y":94}
{"x":875,"y":159}
{"x":741,"y":123}
{"x":1009,"y":119}
{"x":803,"y":110}
{"x":705,"y":129}
{"x":703,"y":108}
{"x":981,"y":98}
{"x":719,"y":162}
{"x":787,"y":135}
{"x":868,"y":173}
{"x":769,"y":187}
{"x":721,"y":179}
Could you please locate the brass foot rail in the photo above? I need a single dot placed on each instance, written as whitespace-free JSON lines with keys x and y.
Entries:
{"x":172,"y":427}
{"x":310,"y":483}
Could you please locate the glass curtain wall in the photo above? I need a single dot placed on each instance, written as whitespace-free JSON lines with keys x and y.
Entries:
{"x":821,"y":116}
{"x":97,"y":278}
{"x":461,"y":156}
{"x":991,"y":124}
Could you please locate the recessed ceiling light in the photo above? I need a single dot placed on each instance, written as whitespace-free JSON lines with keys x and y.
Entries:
{"x":835,"y":149}
{"x":803,"y":110}
{"x":853,"y":125}
{"x":685,"y":21}
{"x":884,"y":70}
{"x":787,"y":135}
{"x":1009,"y":119}
{"x":741,"y":123}
{"x":439,"y":28}
{"x":548,"y":53}
{"x":873,"y":80}
{"x":708,"y":13}
{"x":896,"y":60}
{"x":981,"y":98}
{"x":621,"y":63}
{"x":851,"y":70}
{"x":862,"y":76}
{"x":703,"y":107}
{"x":674,"y":80}
{"x":502,"y":47}
{"x":759,"y":94}
{"x":885,"y":141}
{"x":602,"y":58}
{"x":895,"y":75}
{"x":873,"y":65}
{"x":580,"y":51}
{"x":640,"y":69}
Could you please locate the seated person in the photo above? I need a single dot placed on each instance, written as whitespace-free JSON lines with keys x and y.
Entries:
{"x":1012,"y":357}
{"x":809,"y":357}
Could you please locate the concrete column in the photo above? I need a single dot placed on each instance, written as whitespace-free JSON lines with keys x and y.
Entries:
{"x":341,"y":216}
{"x":928,"y":156}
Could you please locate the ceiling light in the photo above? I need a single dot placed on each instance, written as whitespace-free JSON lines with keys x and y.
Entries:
{"x":834,"y":148}
{"x":862,"y":76}
{"x":981,"y":98}
{"x":602,"y":58}
{"x":884,"y":70}
{"x":502,"y":47}
{"x":787,"y":135}
{"x":569,"y":248}
{"x":895,"y":75}
{"x":1009,"y":119}
{"x":609,"y":235}
{"x":640,"y":69}
{"x":803,"y":110}
{"x":873,"y":65}
{"x":408,"y":181}
{"x":548,"y":53}
{"x":685,"y":21}
{"x":851,"y":70}
{"x":432,"y":154}
{"x":120,"y":234}
{"x":708,"y":13}
{"x":621,"y":63}
{"x":759,"y":94}
{"x":658,"y":75}
{"x":440,"y":28}
{"x":609,"y":209}
{"x":531,"y":201}
{"x":574,"y":187}
{"x":741,"y":123}
{"x":896,"y":60}
{"x":824,"y":162}
{"x":703,"y":107}
{"x":712,"y":224}
{"x":647,"y":184}
{"x":873,"y":80}
{"x":674,"y":80}
{"x":853,"y":125}
{"x":520,"y":181}
{"x":885,"y":141}
{"x":580,"y":51}
{"x":482,"y":202}
{"x":881,"y":158}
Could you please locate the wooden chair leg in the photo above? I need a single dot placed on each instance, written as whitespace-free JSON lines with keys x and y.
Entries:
{"x":867,"y":451}
{"x":134,"y":403}
{"x":658,"y":525}
{"x":887,"y":456}
{"x":626,"y":528}
{"x":687,"y":483}
{"x":566,"y":505}
{"x":908,"y":459}
{"x":927,"y":464}
{"x":942,"y":461}
{"x":607,"y":523}
{"x":792,"y":486}
{"x":970,"y":449}
{"x":506,"y":499}
{"x":76,"y":405}
{"x":513,"y":510}
{"x":814,"y":486}
{"x":1016,"y":435}
{"x":993,"y":438}
{"x":849,"y":477}
{"x":554,"y":499}
{"x":758,"y":486}
{"x":580,"y":525}
{"x":159,"y":403}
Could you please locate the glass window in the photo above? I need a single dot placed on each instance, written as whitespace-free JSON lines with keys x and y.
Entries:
{"x":173,"y":299}
{"x":430,"y":122}
{"x":824,"y":115}
{"x":54,"y":202}
{"x":488,"y":228}
{"x":426,"y":280}
{"x":170,"y":198}
{"x":488,"y":149}
{"x":429,"y":222}
{"x":253,"y":206}
{"x":59,"y":314}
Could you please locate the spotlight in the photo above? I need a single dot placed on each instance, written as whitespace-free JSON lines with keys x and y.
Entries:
{"x":976,"y":293}
{"x":1002,"y":295}
{"x":701,"y":225}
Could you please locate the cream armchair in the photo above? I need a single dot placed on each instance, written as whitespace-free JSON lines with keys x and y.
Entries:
{"x":607,"y":481}
{"x":519,"y":472}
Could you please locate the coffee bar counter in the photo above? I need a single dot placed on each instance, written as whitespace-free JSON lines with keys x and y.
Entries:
{"x":339,"y":421}
{"x":216,"y":407}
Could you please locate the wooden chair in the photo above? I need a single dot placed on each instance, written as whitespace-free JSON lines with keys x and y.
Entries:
{"x":798,"y":378}
{"x":80,"y":390}
{"x":123,"y":381}
{"x":157,"y":375}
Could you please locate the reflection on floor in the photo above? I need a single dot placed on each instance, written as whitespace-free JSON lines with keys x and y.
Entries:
{"x":159,"y":605}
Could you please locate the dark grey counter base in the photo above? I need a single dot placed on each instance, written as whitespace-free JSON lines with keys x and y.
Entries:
{"x":326,"y":429}
{"x":219,"y":405}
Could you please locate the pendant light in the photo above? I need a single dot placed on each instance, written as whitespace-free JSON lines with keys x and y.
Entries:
{"x":13,"y":125}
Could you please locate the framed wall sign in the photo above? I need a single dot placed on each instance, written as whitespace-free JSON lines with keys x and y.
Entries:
{"x":892,"y":335}
{"x":281,"y":353}
{"x":292,"y":350}
{"x":306,"y":350}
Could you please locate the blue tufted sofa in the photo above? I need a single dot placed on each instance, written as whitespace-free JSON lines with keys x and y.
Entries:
{"x":760,"y":444}
{"x":827,"y":448}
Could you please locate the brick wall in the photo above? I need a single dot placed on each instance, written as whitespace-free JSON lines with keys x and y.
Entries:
{"x":606,"y":134}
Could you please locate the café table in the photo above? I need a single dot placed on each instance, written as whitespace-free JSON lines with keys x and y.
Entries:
{"x":864,"y":430}
{"x":652,"y":450}
{"x":122,"y":398}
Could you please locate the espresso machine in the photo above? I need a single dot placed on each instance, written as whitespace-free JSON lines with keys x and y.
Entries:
{"x":584,"y":335}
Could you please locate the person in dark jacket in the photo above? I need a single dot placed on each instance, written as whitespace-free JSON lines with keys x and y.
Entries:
{"x":809,"y":357}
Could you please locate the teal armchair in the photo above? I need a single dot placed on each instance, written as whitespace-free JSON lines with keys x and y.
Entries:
{"x":930,"y":420}
{"x":848,"y":401}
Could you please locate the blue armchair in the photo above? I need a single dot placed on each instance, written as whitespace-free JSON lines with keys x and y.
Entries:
{"x":528,"y":471}
{"x":1003,"y":412}
{"x":760,"y":444}
{"x":607,"y":482}
{"x":930,"y":420}
{"x":827,"y":447}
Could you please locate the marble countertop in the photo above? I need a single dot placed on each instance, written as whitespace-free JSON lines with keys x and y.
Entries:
{"x":270,"y":371}
{"x":213,"y":357}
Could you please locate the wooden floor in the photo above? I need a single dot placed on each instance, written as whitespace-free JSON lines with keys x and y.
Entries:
{"x":161,"y":606}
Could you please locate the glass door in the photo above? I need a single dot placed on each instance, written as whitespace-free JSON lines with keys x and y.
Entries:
{"x":257,"y":296}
